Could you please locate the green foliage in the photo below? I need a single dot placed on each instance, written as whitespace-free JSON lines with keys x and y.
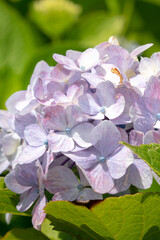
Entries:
{"x":2,"y":184}
{"x":24,"y":234}
{"x":55,"y":17}
{"x":149,"y":153}
{"x":76,"y":220}
{"x":156,"y":2}
{"x":95,"y":32}
{"x":16,"y":43}
{"x":8,"y":202}
{"x":47,"y":229}
{"x":134,"y":217}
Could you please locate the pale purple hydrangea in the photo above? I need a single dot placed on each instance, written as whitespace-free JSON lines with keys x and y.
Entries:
{"x":70,"y":121}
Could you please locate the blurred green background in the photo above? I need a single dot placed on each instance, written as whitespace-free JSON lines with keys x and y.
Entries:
{"x":33,"y":30}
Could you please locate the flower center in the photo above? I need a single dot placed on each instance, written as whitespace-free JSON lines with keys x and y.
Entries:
{"x":102,"y":110}
{"x":45,"y":142}
{"x":82,"y":68}
{"x":102,"y":159}
{"x":158,"y":116}
{"x":68,"y":131}
{"x":80,"y":187}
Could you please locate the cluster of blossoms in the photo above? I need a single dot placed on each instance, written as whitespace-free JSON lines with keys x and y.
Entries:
{"x":62,"y":134}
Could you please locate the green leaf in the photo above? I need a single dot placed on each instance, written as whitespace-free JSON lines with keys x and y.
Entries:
{"x":2,"y":183}
{"x":16,"y":46}
{"x":24,"y":234}
{"x":76,"y":220}
{"x":149,"y":153}
{"x":155,"y":187}
{"x":47,"y":229}
{"x":133,"y":217}
{"x":8,"y":202}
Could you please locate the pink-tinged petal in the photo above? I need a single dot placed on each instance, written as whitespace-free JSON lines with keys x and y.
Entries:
{"x":152,"y":96}
{"x":30,"y":154}
{"x":116,"y":109}
{"x":10,"y":143}
{"x":68,"y":195}
{"x":89,"y":104}
{"x":60,"y":142}
{"x":40,"y":177}
{"x":74,"y":116}
{"x":79,"y":92}
{"x":65,"y":61}
{"x":39,"y":89}
{"x":152,"y":137}
{"x":119,"y":161}
{"x":102,"y":48}
{"x":88,"y":59}
{"x":82,"y":134}
{"x":71,"y":91}
{"x":6,"y":120}
{"x":38,"y":214}
{"x":114,"y":103}
{"x":140,"y":49}
{"x":131,"y":96}
{"x":105,"y":137}
{"x":26,"y":174}
{"x":72,"y":54}
{"x":14,"y":100}
{"x":99,"y":178}
{"x":4,"y":163}
{"x":124,"y":136}
{"x":85,"y":159}
{"x":109,"y":98}
{"x":51,"y":88}
{"x":61,"y":75}
{"x":60,"y":97}
{"x":143,"y":124}
{"x":60,"y":178}
{"x":121,"y":184}
{"x":147,"y":67}
{"x":115,"y":50}
{"x":136,"y":138}
{"x":55,"y":118}
{"x":35,"y":135}
{"x":74,"y":92}
{"x":33,"y":104}
{"x":13,"y":185}
{"x":83,"y":179}
{"x":27,"y":199}
{"x":22,"y":121}
{"x":41,"y":68}
{"x":92,"y":78}
{"x":141,"y":175}
{"x":47,"y":159}
{"x":139,"y":81}
{"x":88,"y":194}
